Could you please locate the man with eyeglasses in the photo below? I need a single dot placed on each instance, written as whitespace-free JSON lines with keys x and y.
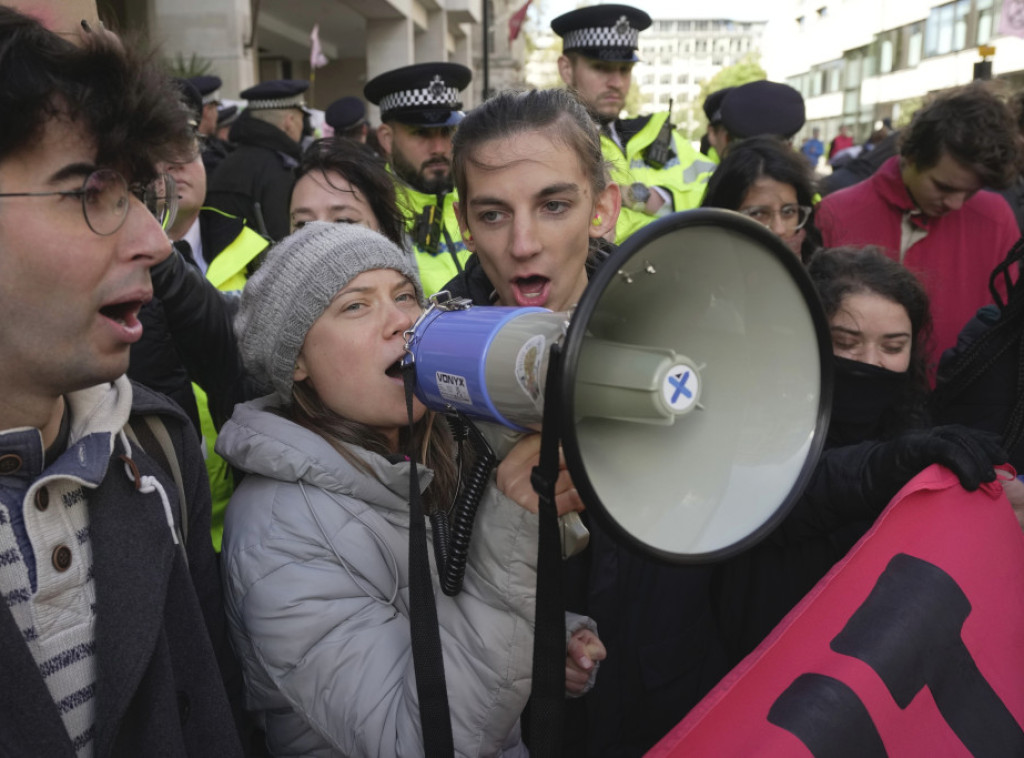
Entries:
{"x":112,"y":630}
{"x":926,"y":208}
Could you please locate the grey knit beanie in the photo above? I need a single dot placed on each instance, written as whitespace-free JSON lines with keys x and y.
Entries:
{"x":300,"y":276}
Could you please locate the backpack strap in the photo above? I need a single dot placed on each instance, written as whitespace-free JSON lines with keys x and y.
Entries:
{"x":152,"y":436}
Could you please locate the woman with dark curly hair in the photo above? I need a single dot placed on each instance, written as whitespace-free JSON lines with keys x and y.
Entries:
{"x":879,"y":438}
{"x":880,"y":323}
{"x":765,"y":179}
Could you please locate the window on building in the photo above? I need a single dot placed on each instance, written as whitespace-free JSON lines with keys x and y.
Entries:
{"x":986,"y":20}
{"x":853,"y":65}
{"x":822,"y":11}
{"x":887,"y":46}
{"x":851,"y":101}
{"x":915,"y":44}
{"x":816,"y":77}
{"x":834,"y":77}
{"x":885,"y":50}
{"x":683,"y":79}
{"x":940,"y":31}
{"x":665,"y":79}
{"x":648,"y":79}
{"x":960,"y":14}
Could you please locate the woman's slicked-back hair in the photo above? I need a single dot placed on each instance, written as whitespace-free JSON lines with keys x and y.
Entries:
{"x":118,"y":96}
{"x":510,"y":113}
{"x":763,"y":157}
{"x":363,"y":170}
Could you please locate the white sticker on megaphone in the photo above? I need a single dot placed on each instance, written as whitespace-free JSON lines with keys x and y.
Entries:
{"x":681,"y":387}
{"x":452,"y":388}
{"x":528,"y":367}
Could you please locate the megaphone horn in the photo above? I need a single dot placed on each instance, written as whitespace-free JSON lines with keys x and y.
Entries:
{"x":695,"y":381}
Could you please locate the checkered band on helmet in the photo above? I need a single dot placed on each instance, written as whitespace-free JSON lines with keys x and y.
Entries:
{"x":436,"y":95}
{"x":295,"y":101}
{"x":621,"y":35}
{"x":213,"y":97}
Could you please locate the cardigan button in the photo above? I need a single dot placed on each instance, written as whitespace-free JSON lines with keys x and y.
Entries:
{"x":42,"y":499}
{"x":62,"y":557}
{"x":9,"y":464}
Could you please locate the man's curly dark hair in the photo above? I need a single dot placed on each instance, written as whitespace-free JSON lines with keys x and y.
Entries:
{"x":119,"y":96}
{"x":975,"y":127}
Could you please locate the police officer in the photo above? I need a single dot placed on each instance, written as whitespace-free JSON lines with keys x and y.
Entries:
{"x":758,"y":108}
{"x":214,"y":149}
{"x":716,"y":135}
{"x":347,"y":117}
{"x":419,"y":110}
{"x":255,"y":181}
{"x":657,"y":169}
{"x":227,"y":251}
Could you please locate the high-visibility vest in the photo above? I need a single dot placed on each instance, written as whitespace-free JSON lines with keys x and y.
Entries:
{"x":685,"y":175}
{"x":436,"y":239}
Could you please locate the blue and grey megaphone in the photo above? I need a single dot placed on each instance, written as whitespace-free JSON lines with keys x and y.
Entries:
{"x":695,"y":385}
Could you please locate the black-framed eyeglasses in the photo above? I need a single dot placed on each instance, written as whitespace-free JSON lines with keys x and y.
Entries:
{"x":105,"y":199}
{"x":793,"y":217}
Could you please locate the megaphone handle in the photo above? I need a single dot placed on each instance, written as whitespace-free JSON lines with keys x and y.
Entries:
{"x":547,"y":697}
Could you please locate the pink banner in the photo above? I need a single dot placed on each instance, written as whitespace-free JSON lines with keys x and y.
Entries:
{"x":913,"y":645}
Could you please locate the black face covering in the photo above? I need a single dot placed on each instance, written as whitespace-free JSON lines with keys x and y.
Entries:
{"x":864,"y":395}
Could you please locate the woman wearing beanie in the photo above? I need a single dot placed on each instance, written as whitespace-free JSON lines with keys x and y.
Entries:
{"x":316,"y":538}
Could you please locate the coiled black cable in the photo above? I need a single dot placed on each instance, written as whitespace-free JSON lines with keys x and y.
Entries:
{"x":453,"y":530}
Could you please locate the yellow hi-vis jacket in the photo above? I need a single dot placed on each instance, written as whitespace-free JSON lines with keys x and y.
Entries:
{"x":684,"y":176}
{"x":434,"y":235}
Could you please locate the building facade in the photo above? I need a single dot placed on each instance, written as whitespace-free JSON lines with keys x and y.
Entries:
{"x":678,"y":55}
{"x":859,"y":62}
{"x":247,"y":41}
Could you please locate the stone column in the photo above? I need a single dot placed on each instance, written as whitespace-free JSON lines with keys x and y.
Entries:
{"x":215,"y":30}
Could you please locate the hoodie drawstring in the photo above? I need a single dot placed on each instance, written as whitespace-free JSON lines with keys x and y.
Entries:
{"x":147,"y":484}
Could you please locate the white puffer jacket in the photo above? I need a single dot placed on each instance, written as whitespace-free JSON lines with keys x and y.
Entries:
{"x":315,"y":564}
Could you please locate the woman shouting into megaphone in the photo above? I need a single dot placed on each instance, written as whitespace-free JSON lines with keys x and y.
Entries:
{"x":316,"y":556}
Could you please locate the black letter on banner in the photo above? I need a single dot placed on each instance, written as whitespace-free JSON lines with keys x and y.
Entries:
{"x":908,"y":630}
{"x":828,"y":717}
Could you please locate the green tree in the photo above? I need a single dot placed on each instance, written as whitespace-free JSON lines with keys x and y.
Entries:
{"x":747,"y":69}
